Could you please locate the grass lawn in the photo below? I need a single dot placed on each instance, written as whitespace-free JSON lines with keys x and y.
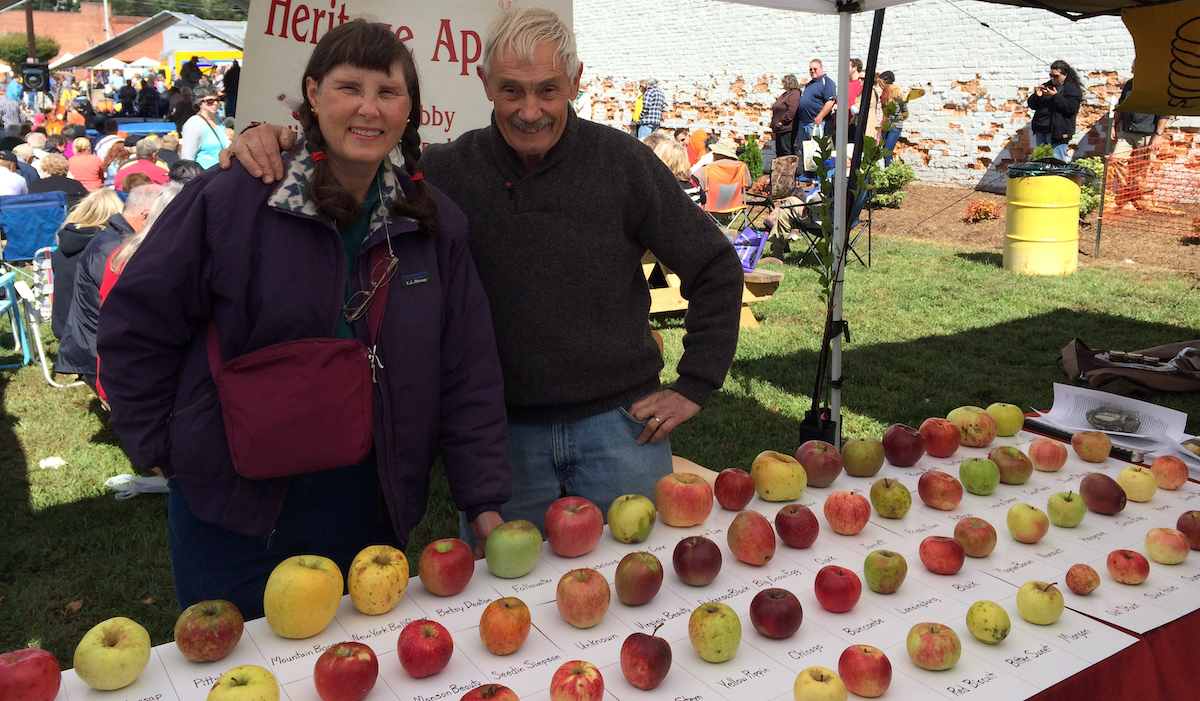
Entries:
{"x":932,"y":329}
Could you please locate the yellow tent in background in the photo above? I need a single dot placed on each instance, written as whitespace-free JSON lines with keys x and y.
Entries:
{"x":1166,"y":41}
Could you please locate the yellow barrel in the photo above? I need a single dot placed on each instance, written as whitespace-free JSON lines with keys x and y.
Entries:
{"x":1041,"y":226}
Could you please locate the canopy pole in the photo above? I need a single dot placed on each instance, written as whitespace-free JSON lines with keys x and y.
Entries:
{"x":842,"y":131}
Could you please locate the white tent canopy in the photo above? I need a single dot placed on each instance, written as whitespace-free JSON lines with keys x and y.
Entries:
{"x":144,"y":62}
{"x":108,"y":64}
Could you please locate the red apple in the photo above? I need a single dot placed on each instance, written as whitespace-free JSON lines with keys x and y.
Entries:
{"x":208,"y":630}
{"x":976,"y":426}
{"x":1091,"y":446}
{"x":1169,"y":472}
{"x":1128,"y":566}
{"x":638,"y":578}
{"x":1188,"y":523}
{"x":446,"y":566}
{"x":424,"y":647}
{"x":797,"y":525}
{"x":865,"y":670}
{"x":734,"y":489}
{"x":1047,"y":454}
{"x":494,"y":692}
{"x":697,"y":560}
{"x":837,"y":588}
{"x":847,"y":513}
{"x":751,"y":538}
{"x":577,"y":681}
{"x":942,"y":555}
{"x":940,"y":490}
{"x":504,"y":625}
{"x":573,"y":526}
{"x":583,"y":597}
{"x":1082,"y":579}
{"x":645,"y":660}
{"x":346,"y":672}
{"x":941,"y":437}
{"x":903,"y":445}
{"x":821,"y":461}
{"x":977,"y":537}
{"x":933,"y":646}
{"x":683,"y":499}
{"x":1015,"y":467}
{"x":31,"y":674}
{"x":776,"y":613}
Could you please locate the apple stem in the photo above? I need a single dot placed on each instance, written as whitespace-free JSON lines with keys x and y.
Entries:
{"x":655,"y":632}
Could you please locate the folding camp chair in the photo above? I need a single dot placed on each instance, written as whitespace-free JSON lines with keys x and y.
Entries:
{"x":29,"y":223}
{"x":28,"y":300}
{"x":810,"y":229}
{"x":11,"y":306}
{"x":725,"y":191}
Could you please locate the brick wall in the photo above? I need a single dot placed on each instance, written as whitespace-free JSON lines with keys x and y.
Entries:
{"x":76,"y":31}
{"x":721,"y":65}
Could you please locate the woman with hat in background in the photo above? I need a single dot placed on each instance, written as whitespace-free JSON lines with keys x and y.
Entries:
{"x":203,"y":134}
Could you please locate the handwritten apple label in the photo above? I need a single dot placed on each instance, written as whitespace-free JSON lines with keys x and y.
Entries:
{"x":380,"y":632}
{"x":459,"y":677}
{"x":291,"y":660}
{"x":749,"y":674}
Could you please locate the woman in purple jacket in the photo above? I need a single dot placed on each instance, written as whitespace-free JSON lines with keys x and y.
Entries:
{"x":266,"y":264}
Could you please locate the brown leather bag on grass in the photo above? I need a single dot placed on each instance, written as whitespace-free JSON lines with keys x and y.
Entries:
{"x":1174,"y":367}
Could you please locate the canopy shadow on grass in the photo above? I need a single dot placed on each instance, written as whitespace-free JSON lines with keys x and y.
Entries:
{"x":1015,"y":362}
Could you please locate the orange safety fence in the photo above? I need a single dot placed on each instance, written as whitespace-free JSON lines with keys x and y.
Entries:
{"x":1155,"y":189}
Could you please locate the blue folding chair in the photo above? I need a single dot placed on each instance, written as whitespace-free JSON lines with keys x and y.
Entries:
{"x":11,"y":305}
{"x":30,"y":222}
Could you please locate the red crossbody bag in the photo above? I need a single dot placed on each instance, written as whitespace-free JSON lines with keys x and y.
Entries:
{"x":304,"y":405}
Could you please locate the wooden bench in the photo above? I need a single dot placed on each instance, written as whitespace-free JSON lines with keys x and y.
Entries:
{"x":759,"y":285}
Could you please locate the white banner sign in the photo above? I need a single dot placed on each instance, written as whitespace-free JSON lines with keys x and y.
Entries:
{"x":446,"y":39}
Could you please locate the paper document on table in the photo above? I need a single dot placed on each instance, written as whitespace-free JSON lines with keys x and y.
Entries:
{"x":1160,"y":426}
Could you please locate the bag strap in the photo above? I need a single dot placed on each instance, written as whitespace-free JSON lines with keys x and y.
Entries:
{"x":378,"y":267}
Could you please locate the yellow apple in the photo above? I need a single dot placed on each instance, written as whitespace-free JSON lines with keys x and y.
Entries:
{"x":246,"y":683}
{"x":1138,"y":482}
{"x":778,"y":477}
{"x":112,"y":654}
{"x":1009,"y":418}
{"x":377,"y":579}
{"x":302,"y":595}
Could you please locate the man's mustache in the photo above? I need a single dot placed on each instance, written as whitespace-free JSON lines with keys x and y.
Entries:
{"x":530,"y":126}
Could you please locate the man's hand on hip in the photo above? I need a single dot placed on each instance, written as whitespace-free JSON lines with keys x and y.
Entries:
{"x":258,"y":150}
{"x":662,"y":412}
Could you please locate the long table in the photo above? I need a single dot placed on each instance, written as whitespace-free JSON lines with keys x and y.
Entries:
{"x":1121,"y":642}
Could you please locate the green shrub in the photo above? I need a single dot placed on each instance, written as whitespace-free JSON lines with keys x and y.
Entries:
{"x":752,"y":156}
{"x":14,"y":48}
{"x":889,"y":183}
{"x":1043,"y":151}
{"x":1089,"y":190}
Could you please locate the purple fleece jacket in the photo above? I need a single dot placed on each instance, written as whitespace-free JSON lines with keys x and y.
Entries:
{"x":268,"y":267}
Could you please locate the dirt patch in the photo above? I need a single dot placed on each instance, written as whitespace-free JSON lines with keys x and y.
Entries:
{"x":935,"y":214}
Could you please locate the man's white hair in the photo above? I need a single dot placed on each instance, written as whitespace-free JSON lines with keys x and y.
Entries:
{"x":141,"y":199}
{"x":36,"y":139}
{"x":523,"y":30}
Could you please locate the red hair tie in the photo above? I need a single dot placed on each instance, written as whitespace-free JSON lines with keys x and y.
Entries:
{"x":418,"y":176}
{"x":317,"y":156}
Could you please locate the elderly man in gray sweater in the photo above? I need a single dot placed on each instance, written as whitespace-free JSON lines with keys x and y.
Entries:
{"x":561,"y":211}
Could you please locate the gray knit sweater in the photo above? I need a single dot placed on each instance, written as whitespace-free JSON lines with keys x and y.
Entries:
{"x":558,"y":250}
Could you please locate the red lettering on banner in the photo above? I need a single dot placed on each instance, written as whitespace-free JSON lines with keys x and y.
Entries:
{"x":300,"y":15}
{"x":446,"y":39}
{"x":342,"y":18}
{"x":473,"y":57}
{"x":403,"y":33}
{"x":287,"y":6}
{"x":317,"y":15}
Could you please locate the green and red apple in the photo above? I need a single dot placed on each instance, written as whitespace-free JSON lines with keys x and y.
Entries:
{"x":890,"y":498}
{"x":1167,"y":546}
{"x":683,"y":499}
{"x":778,"y":476}
{"x":976,"y":426}
{"x":862,"y":457}
{"x":512,"y":549}
{"x":1027,"y":524}
{"x":751,"y":538}
{"x":1066,"y":509}
{"x":631,"y":518}
{"x":884,"y":571}
{"x":933,"y":646}
{"x":979,"y":476}
{"x":715,"y":631}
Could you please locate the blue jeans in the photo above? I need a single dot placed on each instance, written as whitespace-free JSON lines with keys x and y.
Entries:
{"x":645,"y":130}
{"x":891,"y":137}
{"x":333,"y":513}
{"x":597,"y":458}
{"x":1060,"y":150}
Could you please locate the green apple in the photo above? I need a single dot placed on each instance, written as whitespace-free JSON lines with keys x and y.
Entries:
{"x":890,"y":498}
{"x":1066,"y":509}
{"x":979,"y":476}
{"x":778,"y":476}
{"x":862,"y":457}
{"x":246,"y":683}
{"x":715,"y":631}
{"x":513,"y":548}
{"x":1040,"y":603}
{"x":884,"y":571}
{"x":631,"y":518}
{"x":1138,"y":482}
{"x":1027,"y":524}
{"x":112,"y":654}
{"x":988,"y":622}
{"x":1009,"y":418}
